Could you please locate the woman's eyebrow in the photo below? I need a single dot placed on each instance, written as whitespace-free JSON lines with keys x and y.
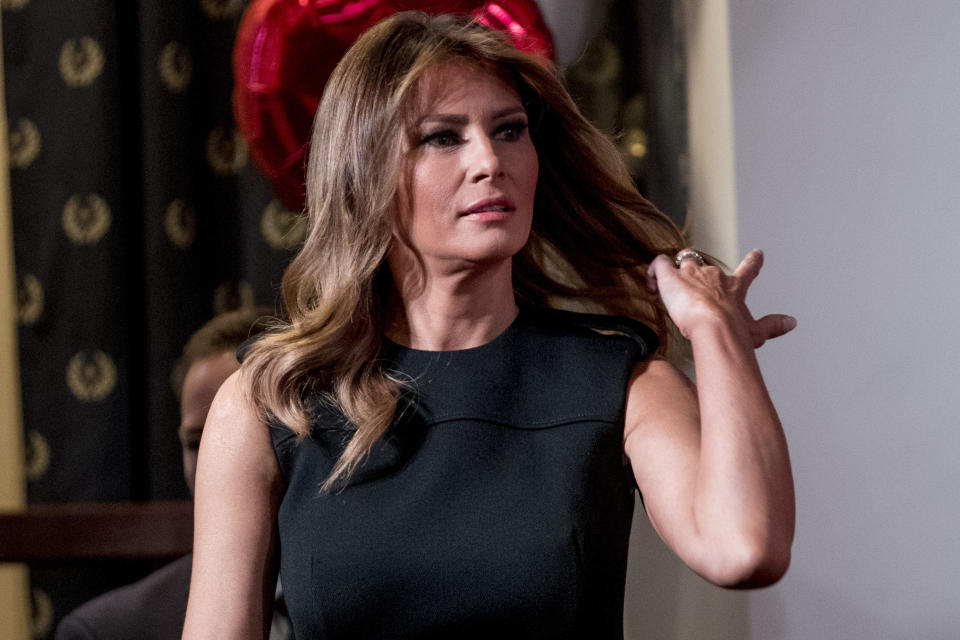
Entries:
{"x":509,"y":111}
{"x":447,"y":118}
{"x":460,"y":119}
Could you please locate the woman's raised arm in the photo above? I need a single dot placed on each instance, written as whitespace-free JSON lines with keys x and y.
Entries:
{"x":711,"y":459}
{"x":238,"y":491}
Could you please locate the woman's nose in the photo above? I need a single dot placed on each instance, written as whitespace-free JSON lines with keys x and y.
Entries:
{"x":484,"y":159}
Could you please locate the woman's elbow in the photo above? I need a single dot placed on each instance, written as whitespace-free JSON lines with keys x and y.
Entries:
{"x":752,"y":565}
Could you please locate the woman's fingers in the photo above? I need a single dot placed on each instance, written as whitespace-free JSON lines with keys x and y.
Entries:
{"x":659,"y":265}
{"x":691,"y":289}
{"x":772,"y":326}
{"x":749,"y":267}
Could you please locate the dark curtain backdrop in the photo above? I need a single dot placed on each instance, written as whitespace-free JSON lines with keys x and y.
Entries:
{"x":138,"y":216}
{"x":630,"y":80}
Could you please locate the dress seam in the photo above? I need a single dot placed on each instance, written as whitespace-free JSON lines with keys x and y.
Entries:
{"x":525,"y":425}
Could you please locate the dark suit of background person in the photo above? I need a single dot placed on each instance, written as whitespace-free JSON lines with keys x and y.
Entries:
{"x":154,"y":607}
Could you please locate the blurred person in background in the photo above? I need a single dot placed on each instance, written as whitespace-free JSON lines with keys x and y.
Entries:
{"x":154,"y":607}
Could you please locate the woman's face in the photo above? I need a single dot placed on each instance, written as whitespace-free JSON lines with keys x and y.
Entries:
{"x":472,"y":172}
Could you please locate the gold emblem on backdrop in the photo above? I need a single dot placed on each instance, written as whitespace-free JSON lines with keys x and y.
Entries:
{"x":221,"y":9}
{"x":229,"y":296}
{"x":634,"y":145}
{"x":86,"y":218}
{"x":180,"y":224}
{"x":29,"y":300}
{"x":81,"y":61}
{"x":91,"y":375}
{"x":175,"y":67}
{"x":37,"y":460}
{"x":25,"y":143}
{"x":41,"y":613}
{"x":13,"y":5}
{"x":282,"y":229}
{"x":226,"y":151}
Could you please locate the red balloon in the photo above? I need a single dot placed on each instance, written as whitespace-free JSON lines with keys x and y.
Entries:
{"x":286,"y":49}
{"x":520,"y":18}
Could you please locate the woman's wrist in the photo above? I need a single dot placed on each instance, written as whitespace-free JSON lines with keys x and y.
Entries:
{"x":718,"y":324}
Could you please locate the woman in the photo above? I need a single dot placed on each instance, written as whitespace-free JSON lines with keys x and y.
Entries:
{"x":447,"y":455}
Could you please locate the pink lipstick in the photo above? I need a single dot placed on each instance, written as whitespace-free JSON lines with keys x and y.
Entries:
{"x":490,"y":209}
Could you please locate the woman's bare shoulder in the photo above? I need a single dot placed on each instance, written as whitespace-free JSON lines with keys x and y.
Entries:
{"x":657,"y":382}
{"x":238,"y":492}
{"x":235,"y":429}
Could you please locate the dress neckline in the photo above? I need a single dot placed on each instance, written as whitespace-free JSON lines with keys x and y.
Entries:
{"x":397,"y":348}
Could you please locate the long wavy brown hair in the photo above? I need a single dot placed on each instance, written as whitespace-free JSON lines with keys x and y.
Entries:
{"x":593,"y":234}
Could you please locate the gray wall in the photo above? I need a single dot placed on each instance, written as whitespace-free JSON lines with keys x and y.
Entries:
{"x":847,"y":157}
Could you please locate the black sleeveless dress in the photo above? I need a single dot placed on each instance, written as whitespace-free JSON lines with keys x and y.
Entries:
{"x":498,"y":503}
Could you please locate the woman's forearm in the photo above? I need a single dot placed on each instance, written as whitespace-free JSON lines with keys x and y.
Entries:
{"x":743,"y":498}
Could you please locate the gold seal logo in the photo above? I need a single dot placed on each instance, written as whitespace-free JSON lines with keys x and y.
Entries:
{"x":81,"y":61}
{"x":37,"y":456}
{"x":180,"y":224}
{"x":91,"y":375}
{"x":41,"y":614}
{"x":175,"y":67}
{"x":86,"y":218}
{"x":221,"y":9}
{"x":226,"y":151}
{"x":282,"y":229}
{"x":232,"y":295}
{"x":29,"y":300}
{"x":13,"y":5}
{"x":25,"y":143}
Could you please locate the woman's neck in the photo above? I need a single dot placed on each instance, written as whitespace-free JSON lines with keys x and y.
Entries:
{"x":459,"y":309}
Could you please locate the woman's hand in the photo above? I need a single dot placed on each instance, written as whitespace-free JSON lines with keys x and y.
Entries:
{"x":711,"y":459}
{"x":697,"y":297}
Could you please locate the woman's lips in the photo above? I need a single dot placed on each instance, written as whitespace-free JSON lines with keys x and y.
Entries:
{"x":490,"y":209}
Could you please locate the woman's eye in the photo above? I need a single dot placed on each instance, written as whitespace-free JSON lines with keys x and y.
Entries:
{"x":511,"y":130}
{"x":440,"y":139}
